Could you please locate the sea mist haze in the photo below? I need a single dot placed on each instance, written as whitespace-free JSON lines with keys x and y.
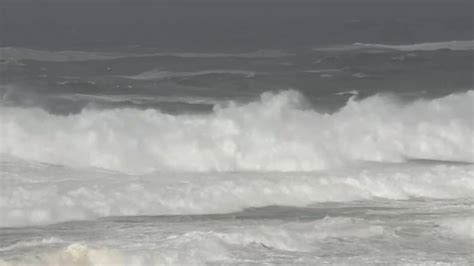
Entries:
{"x":236,"y":132}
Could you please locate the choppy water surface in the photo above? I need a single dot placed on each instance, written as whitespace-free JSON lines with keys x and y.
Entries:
{"x":351,"y":150}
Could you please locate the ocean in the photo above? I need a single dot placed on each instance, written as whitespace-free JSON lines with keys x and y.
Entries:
{"x":237,"y":133}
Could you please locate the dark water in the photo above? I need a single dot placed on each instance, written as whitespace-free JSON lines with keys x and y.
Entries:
{"x":194,"y":84}
{"x":285,"y":33}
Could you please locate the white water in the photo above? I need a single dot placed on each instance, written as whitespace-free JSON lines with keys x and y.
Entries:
{"x":201,"y":246}
{"x":352,"y":193}
{"x":338,"y":239}
{"x":273,"y":134}
{"x":41,"y":194}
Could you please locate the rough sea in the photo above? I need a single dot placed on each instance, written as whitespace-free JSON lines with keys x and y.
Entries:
{"x":305,"y":133}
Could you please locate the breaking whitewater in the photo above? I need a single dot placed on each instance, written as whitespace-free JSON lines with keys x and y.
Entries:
{"x":381,"y":180}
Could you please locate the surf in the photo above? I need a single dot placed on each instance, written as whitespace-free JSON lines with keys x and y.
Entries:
{"x":278,"y":132}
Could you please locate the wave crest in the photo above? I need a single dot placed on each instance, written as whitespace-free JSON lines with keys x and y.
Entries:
{"x":275,"y":133}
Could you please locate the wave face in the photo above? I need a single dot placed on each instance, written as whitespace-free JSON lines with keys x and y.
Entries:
{"x":275,"y":133}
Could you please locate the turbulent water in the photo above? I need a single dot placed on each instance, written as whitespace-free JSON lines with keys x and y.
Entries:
{"x":357,"y":148}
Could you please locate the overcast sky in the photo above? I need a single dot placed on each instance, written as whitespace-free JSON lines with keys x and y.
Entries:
{"x":247,"y":24}
{"x":234,"y":1}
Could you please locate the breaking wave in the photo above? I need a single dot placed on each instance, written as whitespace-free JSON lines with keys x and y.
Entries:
{"x":275,"y":133}
{"x":430,"y":46}
{"x":464,"y":45}
{"x":34,"y":193}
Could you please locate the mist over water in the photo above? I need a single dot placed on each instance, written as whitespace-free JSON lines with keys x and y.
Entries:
{"x":165,"y":133}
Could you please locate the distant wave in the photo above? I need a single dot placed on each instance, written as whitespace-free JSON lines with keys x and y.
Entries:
{"x":431,"y":46}
{"x":256,"y":54}
{"x":332,"y":70}
{"x":18,"y":53}
{"x":271,"y":134}
{"x":140,"y":99}
{"x":158,"y":75}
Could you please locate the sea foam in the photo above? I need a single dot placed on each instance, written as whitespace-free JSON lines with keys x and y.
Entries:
{"x":275,"y":133}
{"x":35,"y":194}
{"x":243,"y":241}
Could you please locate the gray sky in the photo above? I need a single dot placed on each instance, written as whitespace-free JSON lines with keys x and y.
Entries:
{"x":230,"y":24}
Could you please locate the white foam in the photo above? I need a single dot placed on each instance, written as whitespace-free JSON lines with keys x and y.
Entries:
{"x":32,"y":243}
{"x":74,"y":255}
{"x":460,"y":226}
{"x":331,"y":240}
{"x":352,"y":92}
{"x":193,"y":248}
{"x":186,"y":162}
{"x":273,"y":134}
{"x":41,"y":194}
{"x":196,"y":245}
{"x":301,"y":236}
